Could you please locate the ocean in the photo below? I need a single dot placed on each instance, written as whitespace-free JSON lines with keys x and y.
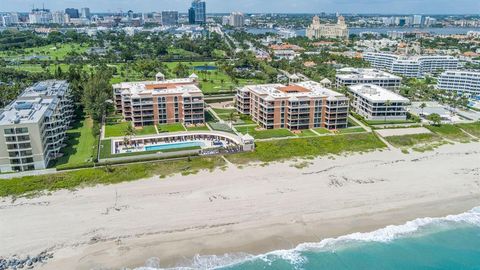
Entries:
{"x":452,"y":242}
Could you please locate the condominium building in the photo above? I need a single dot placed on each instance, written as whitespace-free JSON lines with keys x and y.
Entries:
{"x":40,"y":16}
{"x":72,"y":13}
{"x":161,"y":101}
{"x":59,"y":17}
{"x":34,"y":126}
{"x":197,"y":14}
{"x":352,"y":76}
{"x":169,"y":17}
{"x":296,"y":106}
{"x":85,"y":13}
{"x":377,"y":103}
{"x":411,"y":66}
{"x":237,"y":19}
{"x":462,"y":81}
{"x":328,"y":30}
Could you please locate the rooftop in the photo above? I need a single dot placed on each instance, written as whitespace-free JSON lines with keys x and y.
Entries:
{"x":48,"y":88}
{"x":376,"y":93}
{"x":286,"y":46}
{"x":364,"y":73}
{"x":33,"y":103}
{"x":27,"y":112}
{"x":172,"y":86}
{"x":307,"y":89}
{"x":401,"y":57}
{"x":474,"y":73}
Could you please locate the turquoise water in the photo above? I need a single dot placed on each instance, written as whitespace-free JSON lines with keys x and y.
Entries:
{"x":446,"y":243}
{"x":457,"y":248}
{"x":173,"y":146}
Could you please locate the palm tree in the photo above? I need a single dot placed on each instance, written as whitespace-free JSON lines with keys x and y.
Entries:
{"x":423,"y":106}
{"x":129,"y":133}
{"x":232,"y":117}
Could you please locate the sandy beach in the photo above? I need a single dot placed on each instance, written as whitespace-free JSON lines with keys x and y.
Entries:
{"x":252,"y":210}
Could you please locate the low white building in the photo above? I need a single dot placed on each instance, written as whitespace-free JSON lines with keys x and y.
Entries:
{"x":461,"y":81}
{"x":352,"y":76}
{"x":377,"y":103}
{"x":411,"y":66}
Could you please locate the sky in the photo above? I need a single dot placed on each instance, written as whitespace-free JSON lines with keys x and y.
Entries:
{"x":254,"y":6}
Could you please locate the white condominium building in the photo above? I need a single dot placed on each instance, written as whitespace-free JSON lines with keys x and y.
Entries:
{"x":461,"y":81}
{"x":328,"y":30}
{"x":411,"y":66}
{"x":352,"y":76}
{"x":237,"y":19}
{"x":33,"y":127}
{"x":377,"y":103}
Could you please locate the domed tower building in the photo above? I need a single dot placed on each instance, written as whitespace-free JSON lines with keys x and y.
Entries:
{"x":327,"y":30}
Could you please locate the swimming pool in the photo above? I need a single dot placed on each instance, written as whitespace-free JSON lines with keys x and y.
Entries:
{"x":173,"y":146}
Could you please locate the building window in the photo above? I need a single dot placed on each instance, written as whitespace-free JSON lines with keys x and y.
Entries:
{"x":9,"y":131}
{"x":22,"y":130}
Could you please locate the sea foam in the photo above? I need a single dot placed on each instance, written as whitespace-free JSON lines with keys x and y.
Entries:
{"x":295,"y":258}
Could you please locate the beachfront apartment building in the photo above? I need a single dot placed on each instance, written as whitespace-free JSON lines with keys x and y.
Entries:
{"x":352,"y":76}
{"x":377,"y":103}
{"x":160,"y":101}
{"x":300,"y":105}
{"x":411,"y":66}
{"x":34,"y":126}
{"x":465,"y":82}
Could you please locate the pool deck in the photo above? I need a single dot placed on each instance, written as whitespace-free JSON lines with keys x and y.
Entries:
{"x":224,"y":136}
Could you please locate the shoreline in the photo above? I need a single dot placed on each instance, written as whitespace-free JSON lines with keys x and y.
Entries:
{"x":243,"y":242}
{"x":252,"y":210}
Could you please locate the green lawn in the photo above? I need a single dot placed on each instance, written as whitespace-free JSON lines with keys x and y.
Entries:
{"x":351,"y":130}
{"x":146,"y":130}
{"x":31,"y":185}
{"x":47,"y":52}
{"x":223,"y":111}
{"x":352,"y":123}
{"x":268,"y":151}
{"x":306,"y":133}
{"x":322,"y":131}
{"x":209,"y":117}
{"x":471,"y":128}
{"x":116,"y":129}
{"x":245,"y":120}
{"x":450,"y":132}
{"x":220,"y":127}
{"x":36,"y":68}
{"x":197,"y":128}
{"x":212,"y":81}
{"x":181,"y":52}
{"x":80,"y":147}
{"x":265,"y":134}
{"x":171,"y":127}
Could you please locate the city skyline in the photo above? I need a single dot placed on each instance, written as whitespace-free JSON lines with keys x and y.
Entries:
{"x":255,"y":6}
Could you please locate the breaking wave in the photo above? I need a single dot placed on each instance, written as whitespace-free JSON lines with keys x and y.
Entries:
{"x":295,"y":257}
